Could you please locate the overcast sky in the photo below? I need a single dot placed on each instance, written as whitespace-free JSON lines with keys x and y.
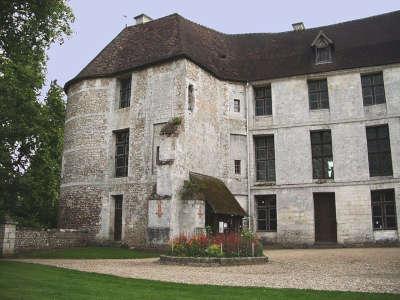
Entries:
{"x":98,"y":22}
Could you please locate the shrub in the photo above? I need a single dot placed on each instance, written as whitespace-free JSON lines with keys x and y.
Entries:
{"x":233,"y":244}
{"x":171,"y":127}
{"x":214,"y":250}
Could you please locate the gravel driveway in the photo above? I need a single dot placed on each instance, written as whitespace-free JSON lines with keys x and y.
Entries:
{"x":355,"y":269}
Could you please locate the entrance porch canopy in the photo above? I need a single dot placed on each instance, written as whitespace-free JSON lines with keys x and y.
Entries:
{"x":215,"y":193}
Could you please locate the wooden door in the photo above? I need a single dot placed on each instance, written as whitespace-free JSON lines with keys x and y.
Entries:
{"x":325,"y":217}
{"x":118,"y":218}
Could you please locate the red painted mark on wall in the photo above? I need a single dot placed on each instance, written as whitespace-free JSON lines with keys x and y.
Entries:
{"x":159,"y":211}
{"x":200,"y":212}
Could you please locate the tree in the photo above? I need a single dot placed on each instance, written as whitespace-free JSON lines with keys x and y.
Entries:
{"x":27,"y":29}
{"x":40,"y":185}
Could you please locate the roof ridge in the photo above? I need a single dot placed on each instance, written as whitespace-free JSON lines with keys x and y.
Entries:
{"x":318,"y":27}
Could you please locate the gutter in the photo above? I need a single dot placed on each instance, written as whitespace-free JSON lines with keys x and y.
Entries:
{"x":247,"y":100}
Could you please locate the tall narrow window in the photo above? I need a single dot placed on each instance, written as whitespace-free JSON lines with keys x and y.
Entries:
{"x":121,"y":153}
{"x":263,"y":100}
{"x":117,"y":217}
{"x":238,"y":167}
{"x":373,"y":89}
{"x":190,"y":97}
{"x":266,"y":212}
{"x":125,"y":92}
{"x":318,"y":94}
{"x":236,"y":105}
{"x":322,"y":158}
{"x":265,"y":158}
{"x":383,"y":209}
{"x":379,"y":154}
{"x":158,"y":155}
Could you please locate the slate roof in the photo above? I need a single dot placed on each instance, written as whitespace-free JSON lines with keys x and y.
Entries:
{"x":217,"y":195}
{"x":247,"y":57}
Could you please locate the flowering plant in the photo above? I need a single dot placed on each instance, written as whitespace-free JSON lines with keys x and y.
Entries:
{"x":232,"y":244}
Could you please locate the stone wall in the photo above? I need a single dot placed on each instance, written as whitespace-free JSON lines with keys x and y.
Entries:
{"x":7,"y":239}
{"x":347,"y":118}
{"x":88,"y":176}
{"x":30,"y":239}
{"x":15,"y":240}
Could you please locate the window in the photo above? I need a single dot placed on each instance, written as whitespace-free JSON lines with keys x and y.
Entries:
{"x":265,"y":158}
{"x":318,"y":94}
{"x":373,"y":89}
{"x":321,"y":150}
{"x":121,"y":153}
{"x":237,"y":167}
{"x":383,"y":209}
{"x":236,"y":105}
{"x":263,"y":100}
{"x":190,"y":97}
{"x":158,"y":155}
{"x":125,"y":92}
{"x":266,"y":212}
{"x":379,"y":154}
{"x":323,"y":55}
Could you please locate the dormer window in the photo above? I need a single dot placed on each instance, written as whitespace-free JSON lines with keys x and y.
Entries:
{"x":323,"y":48}
{"x":323,"y":55}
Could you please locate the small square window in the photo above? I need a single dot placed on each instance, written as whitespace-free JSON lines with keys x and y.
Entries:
{"x":236,"y":105}
{"x":237,"y":167}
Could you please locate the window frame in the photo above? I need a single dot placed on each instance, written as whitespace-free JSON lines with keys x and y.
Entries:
{"x":382,"y":156}
{"x":236,"y":105}
{"x":263,"y":101}
{"x":373,"y":87}
{"x":191,"y":97}
{"x":318,"y":59}
{"x":321,"y":91}
{"x":122,"y":141}
{"x":322,"y":156}
{"x":269,"y":160}
{"x":271,"y":223}
{"x":237,"y":166}
{"x":125,"y":89}
{"x":382,"y":202}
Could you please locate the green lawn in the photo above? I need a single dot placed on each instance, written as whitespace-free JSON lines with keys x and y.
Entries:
{"x":29,"y":281}
{"x":89,"y":253}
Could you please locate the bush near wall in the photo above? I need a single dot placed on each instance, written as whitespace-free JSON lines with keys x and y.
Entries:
{"x":233,"y":244}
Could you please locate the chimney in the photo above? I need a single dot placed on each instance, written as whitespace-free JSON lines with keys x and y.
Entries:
{"x":142,"y":18}
{"x":298,"y":26}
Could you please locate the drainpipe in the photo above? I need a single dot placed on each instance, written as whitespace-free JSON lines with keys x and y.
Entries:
{"x":247,"y":100}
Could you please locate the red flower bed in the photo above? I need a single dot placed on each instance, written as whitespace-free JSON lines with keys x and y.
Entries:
{"x":233,"y":244}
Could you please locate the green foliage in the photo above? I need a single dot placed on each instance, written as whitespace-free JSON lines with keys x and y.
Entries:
{"x":33,"y":281}
{"x":214,"y":250}
{"x":189,"y":190}
{"x":27,"y":30}
{"x":171,"y":126}
{"x":89,"y":253}
{"x":233,"y":244}
{"x":41,"y":181}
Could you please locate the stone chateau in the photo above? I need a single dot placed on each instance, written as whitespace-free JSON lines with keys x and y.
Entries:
{"x":174,"y":127}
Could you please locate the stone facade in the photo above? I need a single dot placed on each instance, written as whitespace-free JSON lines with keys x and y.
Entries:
{"x":31,"y":239}
{"x":16,"y":240}
{"x":212,"y":135}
